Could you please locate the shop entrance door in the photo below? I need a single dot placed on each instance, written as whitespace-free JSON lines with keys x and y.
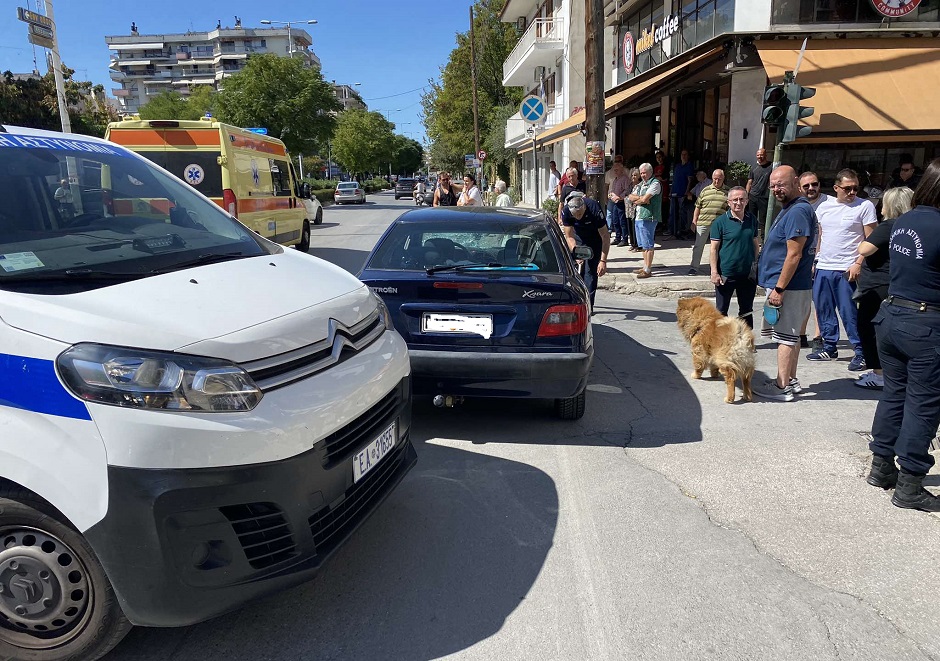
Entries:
{"x":690,"y":120}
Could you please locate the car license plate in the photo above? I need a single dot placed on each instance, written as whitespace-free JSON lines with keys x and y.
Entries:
{"x":374,"y":451}
{"x":477,"y":324}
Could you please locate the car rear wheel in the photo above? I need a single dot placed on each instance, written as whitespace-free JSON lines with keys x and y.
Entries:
{"x":571,"y":408}
{"x":304,"y":244}
{"x":56,"y":602}
{"x":319,"y":219}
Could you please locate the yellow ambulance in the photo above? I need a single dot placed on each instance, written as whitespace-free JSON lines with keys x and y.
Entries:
{"x":248,"y":174}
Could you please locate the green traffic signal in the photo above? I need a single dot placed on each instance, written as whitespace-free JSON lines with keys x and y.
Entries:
{"x":776,"y":102}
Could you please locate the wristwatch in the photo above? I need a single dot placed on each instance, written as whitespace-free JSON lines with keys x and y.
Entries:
{"x":780,"y":290}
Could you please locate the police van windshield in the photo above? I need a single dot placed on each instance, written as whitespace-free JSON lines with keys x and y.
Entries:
{"x":96,"y":214}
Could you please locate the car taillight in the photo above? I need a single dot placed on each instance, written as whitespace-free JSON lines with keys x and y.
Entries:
{"x":358,"y":191}
{"x":564,"y":320}
{"x":336,"y":192}
{"x":230,"y":202}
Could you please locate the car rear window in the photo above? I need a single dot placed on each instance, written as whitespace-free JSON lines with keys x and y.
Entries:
{"x":511,"y":245}
{"x":352,"y":185}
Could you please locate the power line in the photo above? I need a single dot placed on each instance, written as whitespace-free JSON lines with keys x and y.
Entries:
{"x":379,"y":98}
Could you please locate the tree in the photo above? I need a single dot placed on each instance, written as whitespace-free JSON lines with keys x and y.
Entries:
{"x":363,"y":141}
{"x":33,"y":102}
{"x":170,"y":105}
{"x":448,"y":106}
{"x":408,"y":155}
{"x":290,"y":100}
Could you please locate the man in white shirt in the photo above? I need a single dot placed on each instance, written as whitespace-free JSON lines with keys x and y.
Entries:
{"x":554,"y":177}
{"x":844,"y":222}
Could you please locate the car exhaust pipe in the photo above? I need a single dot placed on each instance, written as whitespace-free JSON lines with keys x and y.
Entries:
{"x":446,"y":401}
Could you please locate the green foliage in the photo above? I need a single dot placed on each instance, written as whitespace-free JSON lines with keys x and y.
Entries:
{"x":33,"y":103}
{"x":738,"y":172}
{"x":551,"y":206}
{"x":448,"y":106}
{"x":282,"y":95}
{"x":166,"y":105}
{"x":363,"y":141}
{"x":408,"y":155}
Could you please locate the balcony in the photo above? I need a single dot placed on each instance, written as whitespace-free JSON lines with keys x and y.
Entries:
{"x":540,"y":45}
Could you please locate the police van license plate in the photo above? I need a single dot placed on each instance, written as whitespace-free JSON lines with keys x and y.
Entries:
{"x":374,"y":451}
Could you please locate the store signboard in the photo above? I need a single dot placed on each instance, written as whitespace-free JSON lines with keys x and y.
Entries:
{"x":629,"y":52}
{"x":652,"y":36}
{"x":895,"y":8}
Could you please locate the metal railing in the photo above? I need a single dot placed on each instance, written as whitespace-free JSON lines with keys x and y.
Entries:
{"x":540,"y":31}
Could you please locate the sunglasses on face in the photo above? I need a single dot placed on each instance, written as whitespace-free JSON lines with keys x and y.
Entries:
{"x":811,"y":184}
{"x":849,"y":189}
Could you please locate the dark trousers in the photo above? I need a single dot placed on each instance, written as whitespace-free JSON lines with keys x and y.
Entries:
{"x":909,"y":410}
{"x":631,"y":230}
{"x":678,"y":212}
{"x":589,"y":272}
{"x":868,"y":305}
{"x":832,"y":293}
{"x":619,"y":222}
{"x":758,"y":207}
{"x":745,"y":289}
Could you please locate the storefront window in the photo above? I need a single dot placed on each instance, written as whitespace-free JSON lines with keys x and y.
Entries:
{"x":698,"y":22}
{"x":846,"y":11}
{"x":875,"y":165}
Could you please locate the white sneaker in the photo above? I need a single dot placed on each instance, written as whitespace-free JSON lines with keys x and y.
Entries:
{"x":795,"y":386}
{"x":870,"y":380}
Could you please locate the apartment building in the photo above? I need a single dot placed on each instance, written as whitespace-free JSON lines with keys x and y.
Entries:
{"x":348,"y":97}
{"x":147,"y":64}
{"x":690,"y":74}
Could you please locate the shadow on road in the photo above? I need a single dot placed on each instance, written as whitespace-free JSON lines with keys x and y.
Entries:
{"x":442,"y":564}
{"x":346,"y":258}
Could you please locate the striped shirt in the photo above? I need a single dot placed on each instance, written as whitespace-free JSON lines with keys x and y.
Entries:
{"x":711,"y":203}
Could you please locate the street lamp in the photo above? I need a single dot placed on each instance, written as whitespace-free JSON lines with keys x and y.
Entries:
{"x":388,"y":112}
{"x":290,"y":40}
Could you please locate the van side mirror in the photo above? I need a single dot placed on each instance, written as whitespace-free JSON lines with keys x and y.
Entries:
{"x":305,"y":190}
{"x":582,"y":252}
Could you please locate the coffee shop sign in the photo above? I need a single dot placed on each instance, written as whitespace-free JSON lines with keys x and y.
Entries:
{"x":651,"y":36}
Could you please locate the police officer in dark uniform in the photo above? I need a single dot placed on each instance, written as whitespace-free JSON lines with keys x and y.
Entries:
{"x":908,"y":330}
{"x":583,"y":221}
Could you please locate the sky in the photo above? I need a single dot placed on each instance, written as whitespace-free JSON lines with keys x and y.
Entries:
{"x":391,"y":49}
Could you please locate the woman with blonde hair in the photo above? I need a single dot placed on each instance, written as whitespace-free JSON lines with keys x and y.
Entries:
{"x":872,"y":286}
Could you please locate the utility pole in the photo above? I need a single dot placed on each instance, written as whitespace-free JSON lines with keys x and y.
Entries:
{"x":57,"y":72}
{"x":473,"y":81}
{"x":594,"y":91}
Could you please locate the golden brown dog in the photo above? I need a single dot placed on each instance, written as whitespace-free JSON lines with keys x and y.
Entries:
{"x":719,"y":343}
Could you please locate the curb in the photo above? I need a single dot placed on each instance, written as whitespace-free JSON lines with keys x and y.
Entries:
{"x":669,"y":287}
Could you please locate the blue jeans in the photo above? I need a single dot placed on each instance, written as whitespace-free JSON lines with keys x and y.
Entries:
{"x":832,"y":294}
{"x":610,"y":215}
{"x":909,"y":410}
{"x":618,"y":221}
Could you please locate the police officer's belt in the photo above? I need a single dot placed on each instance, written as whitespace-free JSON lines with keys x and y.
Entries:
{"x":912,"y":305}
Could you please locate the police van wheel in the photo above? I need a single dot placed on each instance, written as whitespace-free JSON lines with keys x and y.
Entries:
{"x":319,"y":219}
{"x":56,"y":602}
{"x":304,"y":244}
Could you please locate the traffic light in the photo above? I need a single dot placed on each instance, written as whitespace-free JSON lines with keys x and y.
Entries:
{"x":774,"y":112}
{"x":791,"y":128}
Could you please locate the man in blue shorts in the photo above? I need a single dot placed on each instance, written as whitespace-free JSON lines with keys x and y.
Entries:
{"x":785,"y":271}
{"x":647,"y":197}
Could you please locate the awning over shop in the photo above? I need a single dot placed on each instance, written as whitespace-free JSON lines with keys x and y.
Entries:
{"x":633,"y":92}
{"x":871,"y":86}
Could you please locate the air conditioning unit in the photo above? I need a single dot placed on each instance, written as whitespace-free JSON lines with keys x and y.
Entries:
{"x":539,"y":73}
{"x":520,"y":23}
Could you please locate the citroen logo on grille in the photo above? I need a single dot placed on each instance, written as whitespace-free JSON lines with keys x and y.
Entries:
{"x":27,"y":586}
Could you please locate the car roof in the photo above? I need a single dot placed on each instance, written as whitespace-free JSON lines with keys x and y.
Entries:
{"x":473,"y":214}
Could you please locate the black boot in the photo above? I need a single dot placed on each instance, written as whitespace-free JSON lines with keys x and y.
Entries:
{"x":911,"y":494}
{"x":884,"y":473}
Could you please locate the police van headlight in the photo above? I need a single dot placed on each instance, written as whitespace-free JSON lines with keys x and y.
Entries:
{"x":156,"y":380}
{"x":384,"y":314}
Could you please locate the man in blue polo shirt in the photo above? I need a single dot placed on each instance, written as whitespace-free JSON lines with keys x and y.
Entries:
{"x":785,"y":271}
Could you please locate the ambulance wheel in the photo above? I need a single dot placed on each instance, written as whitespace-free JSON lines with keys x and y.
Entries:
{"x":56,"y":602}
{"x":304,"y":244}
{"x":319,"y":219}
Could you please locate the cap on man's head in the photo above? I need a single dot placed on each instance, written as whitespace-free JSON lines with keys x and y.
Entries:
{"x":575,"y":200}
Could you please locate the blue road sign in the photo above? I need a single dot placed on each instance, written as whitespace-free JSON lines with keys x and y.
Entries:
{"x":532,"y":109}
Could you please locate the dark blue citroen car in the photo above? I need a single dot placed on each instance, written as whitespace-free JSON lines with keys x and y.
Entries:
{"x":490,"y":303}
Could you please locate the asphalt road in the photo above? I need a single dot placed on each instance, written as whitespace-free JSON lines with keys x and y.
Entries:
{"x":664,"y":525}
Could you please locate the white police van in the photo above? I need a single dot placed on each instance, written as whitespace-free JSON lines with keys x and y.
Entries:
{"x":191,"y":416}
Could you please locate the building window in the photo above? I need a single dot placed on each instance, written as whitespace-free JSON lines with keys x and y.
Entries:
{"x":846,"y":11}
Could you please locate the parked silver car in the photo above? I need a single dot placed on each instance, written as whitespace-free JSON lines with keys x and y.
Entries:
{"x":349,"y":191}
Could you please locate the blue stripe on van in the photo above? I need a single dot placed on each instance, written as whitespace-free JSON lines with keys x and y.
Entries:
{"x":32,"y":384}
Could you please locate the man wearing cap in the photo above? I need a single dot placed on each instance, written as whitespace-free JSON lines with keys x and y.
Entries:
{"x":582,"y":219}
